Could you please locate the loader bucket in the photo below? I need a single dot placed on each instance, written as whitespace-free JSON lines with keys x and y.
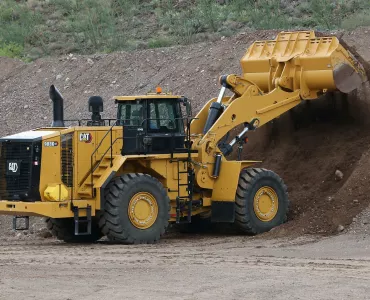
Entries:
{"x":302,"y":61}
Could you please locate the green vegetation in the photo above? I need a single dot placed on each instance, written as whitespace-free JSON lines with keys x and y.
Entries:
{"x":12,"y":50}
{"x":35,"y":28}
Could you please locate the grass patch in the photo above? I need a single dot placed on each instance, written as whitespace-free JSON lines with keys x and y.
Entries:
{"x":357,"y":20}
{"x":12,"y":50}
{"x":88,"y":26}
{"x":160,"y":42}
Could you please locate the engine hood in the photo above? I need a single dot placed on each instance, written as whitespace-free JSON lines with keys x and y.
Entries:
{"x":28,"y":136}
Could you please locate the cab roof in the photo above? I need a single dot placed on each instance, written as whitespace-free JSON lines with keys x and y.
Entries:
{"x":148,"y":96}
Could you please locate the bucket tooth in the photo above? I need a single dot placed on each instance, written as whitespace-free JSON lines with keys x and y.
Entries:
{"x":346,"y":78}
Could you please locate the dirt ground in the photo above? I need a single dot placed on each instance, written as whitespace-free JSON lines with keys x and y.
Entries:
{"x":183,"y":267}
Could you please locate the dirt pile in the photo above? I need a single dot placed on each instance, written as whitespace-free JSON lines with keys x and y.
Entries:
{"x":306,"y":157}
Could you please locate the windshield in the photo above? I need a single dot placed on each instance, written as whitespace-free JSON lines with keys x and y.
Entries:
{"x":163,"y":116}
{"x":157,"y":115}
{"x":131,"y":113}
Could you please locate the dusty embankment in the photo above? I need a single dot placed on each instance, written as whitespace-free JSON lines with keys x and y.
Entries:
{"x":306,"y":157}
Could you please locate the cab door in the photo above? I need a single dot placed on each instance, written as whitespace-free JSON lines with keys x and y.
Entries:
{"x":131,"y":115}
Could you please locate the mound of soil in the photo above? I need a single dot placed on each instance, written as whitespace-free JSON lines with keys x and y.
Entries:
{"x":305,"y":154}
{"x":307,"y":158}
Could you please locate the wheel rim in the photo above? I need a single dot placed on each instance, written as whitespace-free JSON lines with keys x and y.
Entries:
{"x":143,"y":210}
{"x":266,"y":204}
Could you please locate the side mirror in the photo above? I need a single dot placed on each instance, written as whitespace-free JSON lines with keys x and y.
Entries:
{"x":188,"y":109}
{"x":187,"y":104}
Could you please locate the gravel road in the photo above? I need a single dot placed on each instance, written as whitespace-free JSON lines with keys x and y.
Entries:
{"x":183,"y":267}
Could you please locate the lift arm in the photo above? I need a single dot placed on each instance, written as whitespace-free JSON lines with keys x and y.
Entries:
{"x":277,"y":76}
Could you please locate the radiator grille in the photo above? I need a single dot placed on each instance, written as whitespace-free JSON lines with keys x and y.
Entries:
{"x":19,"y":185}
{"x":67,"y":159}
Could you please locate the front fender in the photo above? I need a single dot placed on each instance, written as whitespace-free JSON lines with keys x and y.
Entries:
{"x":224,"y":188}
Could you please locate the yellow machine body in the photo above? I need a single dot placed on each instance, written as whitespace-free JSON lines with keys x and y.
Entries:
{"x":78,"y":186}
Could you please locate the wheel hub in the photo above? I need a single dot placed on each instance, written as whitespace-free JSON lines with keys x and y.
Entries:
{"x":266,"y":204}
{"x":143,"y":210}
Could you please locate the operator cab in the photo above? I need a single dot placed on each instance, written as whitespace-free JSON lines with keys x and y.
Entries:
{"x":152,"y":123}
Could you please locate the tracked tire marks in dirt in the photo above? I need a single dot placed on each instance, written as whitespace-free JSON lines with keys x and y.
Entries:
{"x":183,"y":269}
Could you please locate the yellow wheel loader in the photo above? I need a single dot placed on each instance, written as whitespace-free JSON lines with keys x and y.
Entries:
{"x":127,"y":178}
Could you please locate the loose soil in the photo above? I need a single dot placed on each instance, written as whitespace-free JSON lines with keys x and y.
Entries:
{"x":307,"y":159}
{"x":305,"y":148}
{"x":184,"y":267}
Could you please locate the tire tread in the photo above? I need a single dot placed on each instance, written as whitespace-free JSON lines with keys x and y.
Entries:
{"x":248,"y":178}
{"x":110,"y":222}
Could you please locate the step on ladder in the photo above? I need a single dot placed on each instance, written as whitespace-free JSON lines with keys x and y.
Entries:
{"x":85,"y":221}
{"x":184,"y":200}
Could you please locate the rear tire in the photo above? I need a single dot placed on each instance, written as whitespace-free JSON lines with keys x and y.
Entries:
{"x":136,"y":209}
{"x":63,"y":229}
{"x":261,"y":201}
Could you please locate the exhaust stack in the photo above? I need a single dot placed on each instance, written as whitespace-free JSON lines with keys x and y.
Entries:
{"x":58,"y":111}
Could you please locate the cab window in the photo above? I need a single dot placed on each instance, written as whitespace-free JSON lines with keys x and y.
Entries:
{"x":131,"y":113}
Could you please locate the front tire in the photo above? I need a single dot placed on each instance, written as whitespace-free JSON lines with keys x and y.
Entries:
{"x":136,"y":209}
{"x":261,"y":201}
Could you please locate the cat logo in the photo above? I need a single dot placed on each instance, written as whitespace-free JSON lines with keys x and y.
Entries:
{"x":13,"y":167}
{"x":85,"y":137}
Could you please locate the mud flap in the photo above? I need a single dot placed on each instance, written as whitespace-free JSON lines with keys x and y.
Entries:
{"x":223,"y":212}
